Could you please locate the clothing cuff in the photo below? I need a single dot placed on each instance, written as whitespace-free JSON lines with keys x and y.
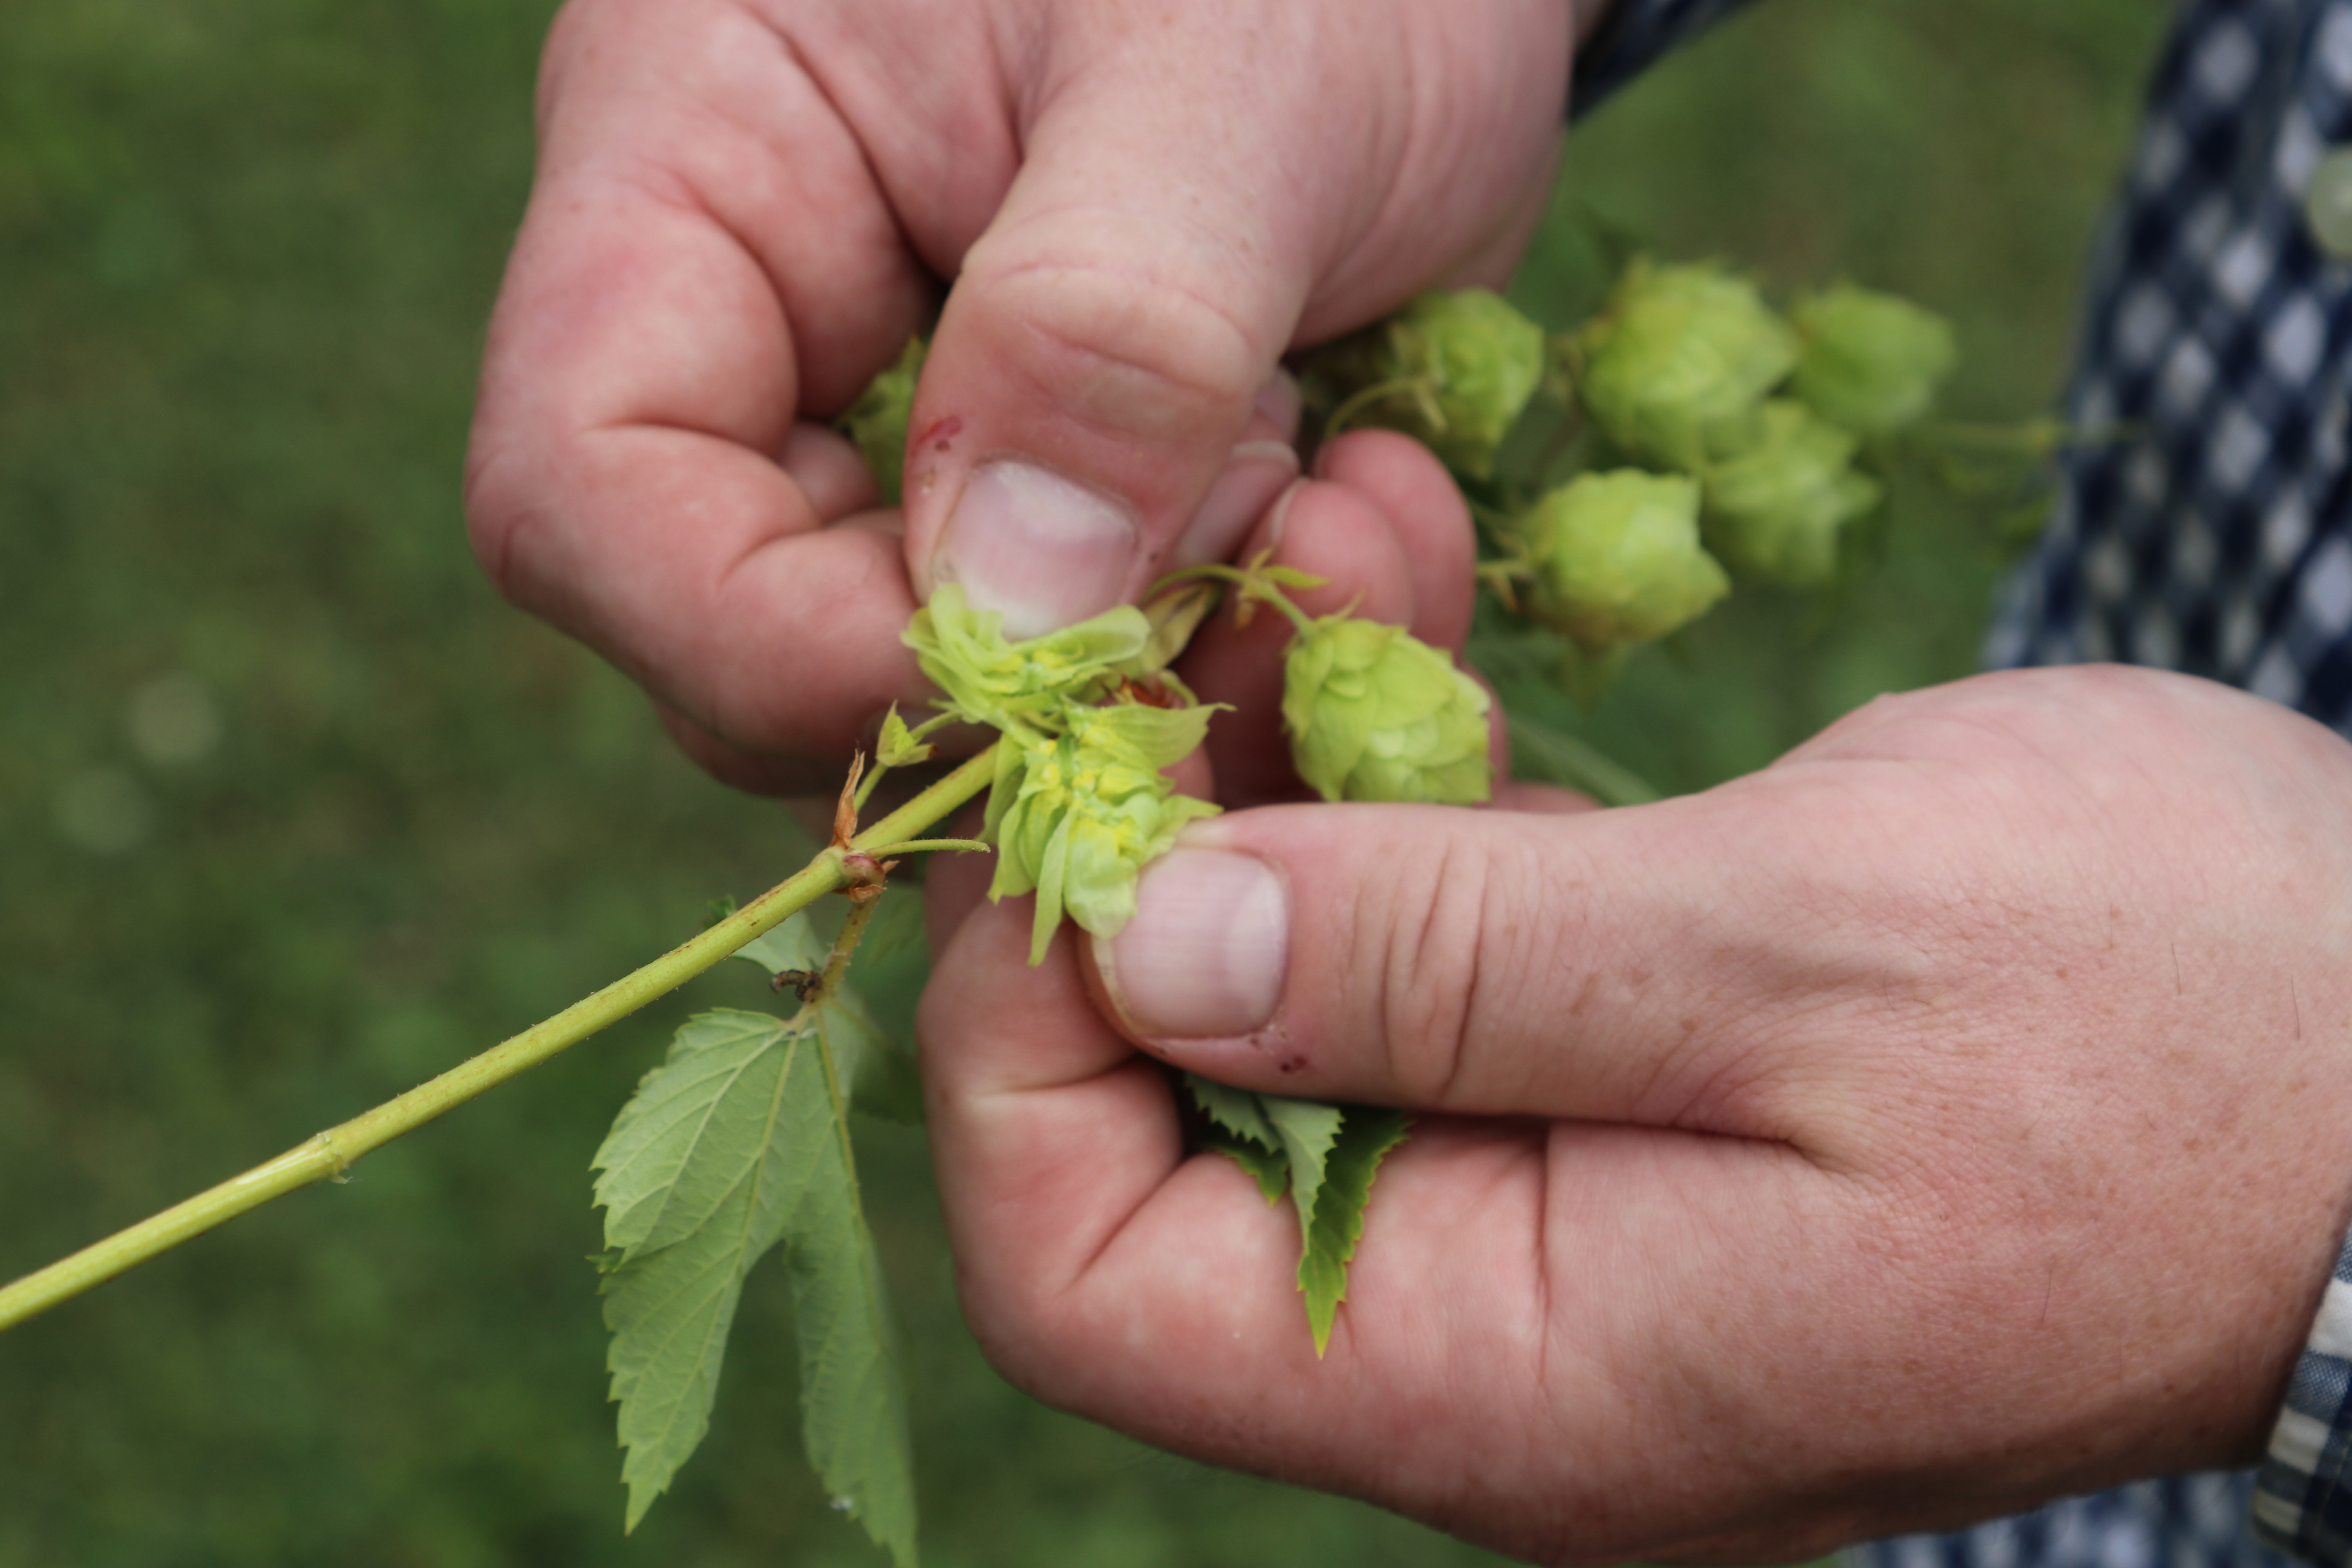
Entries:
{"x":2303,"y":1495}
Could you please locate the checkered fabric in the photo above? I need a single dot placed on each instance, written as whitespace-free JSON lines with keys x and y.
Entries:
{"x":2302,"y":1502}
{"x":2210,"y":534}
{"x":2212,"y":538}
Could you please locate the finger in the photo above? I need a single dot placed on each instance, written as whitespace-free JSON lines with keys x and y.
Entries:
{"x":1479,"y":1353}
{"x":1608,"y":965}
{"x":1541,"y":799}
{"x":1425,"y":511}
{"x":1112,"y":332}
{"x":627,"y":478}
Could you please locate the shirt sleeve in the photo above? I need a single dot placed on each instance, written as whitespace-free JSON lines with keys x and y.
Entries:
{"x":2303,"y":1495}
{"x":1634,"y":33}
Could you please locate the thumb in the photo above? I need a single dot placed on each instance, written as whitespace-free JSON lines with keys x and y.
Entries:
{"x":1101,"y":354}
{"x":1597,"y":966}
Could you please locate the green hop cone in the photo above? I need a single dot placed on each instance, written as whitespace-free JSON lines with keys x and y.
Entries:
{"x":1871,"y":361}
{"x":1480,"y":361}
{"x":1020,"y":686}
{"x":1375,"y":713}
{"x":1678,"y":364}
{"x":1076,"y":817}
{"x":1618,"y":558}
{"x":1453,"y":369}
{"x":876,"y":422}
{"x":1775,"y":511}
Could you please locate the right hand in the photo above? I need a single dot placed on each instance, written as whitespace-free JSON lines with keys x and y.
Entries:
{"x":742,"y":210}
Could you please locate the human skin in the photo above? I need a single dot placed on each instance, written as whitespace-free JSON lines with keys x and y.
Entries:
{"x":743,"y":208}
{"x":1946,"y":1117}
{"x":1955,"y":1114}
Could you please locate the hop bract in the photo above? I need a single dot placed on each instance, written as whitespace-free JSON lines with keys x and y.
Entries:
{"x":1618,"y":558}
{"x":1074,"y":817}
{"x":1020,"y":686}
{"x":1871,"y":361}
{"x":876,"y":422}
{"x":1774,"y":511}
{"x":1375,"y":713}
{"x":1678,"y":364}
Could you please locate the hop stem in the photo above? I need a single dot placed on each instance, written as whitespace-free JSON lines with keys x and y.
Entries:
{"x":327,"y":1155}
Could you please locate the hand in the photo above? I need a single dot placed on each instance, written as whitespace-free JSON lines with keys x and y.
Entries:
{"x":1957,"y":1113}
{"x":742,"y":210}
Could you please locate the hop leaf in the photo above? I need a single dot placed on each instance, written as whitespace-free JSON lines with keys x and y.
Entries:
{"x":1076,"y":819}
{"x":1020,"y":686}
{"x":1774,"y":511}
{"x":1454,"y":369}
{"x":740,"y":1142}
{"x":1871,"y":361}
{"x":1375,"y":713}
{"x":1618,"y":559}
{"x":876,"y":422}
{"x":1676,"y":366}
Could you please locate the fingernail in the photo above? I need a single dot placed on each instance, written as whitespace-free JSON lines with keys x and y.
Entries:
{"x":1205,"y":954}
{"x":1254,"y":475}
{"x":1278,"y":400}
{"x":1040,"y":549}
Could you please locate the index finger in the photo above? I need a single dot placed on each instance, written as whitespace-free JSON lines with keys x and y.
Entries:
{"x":705,"y":256}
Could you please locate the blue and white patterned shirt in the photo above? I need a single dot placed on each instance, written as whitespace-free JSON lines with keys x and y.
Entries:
{"x":2214,"y":536}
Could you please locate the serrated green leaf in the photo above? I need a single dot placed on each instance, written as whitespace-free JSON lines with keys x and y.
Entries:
{"x":1269,"y":1168}
{"x":737,"y":1141}
{"x":1365,"y":1137}
{"x":1307,"y":1131}
{"x":1234,"y":1109}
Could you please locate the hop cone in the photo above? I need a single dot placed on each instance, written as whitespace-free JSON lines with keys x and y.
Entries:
{"x":1375,"y":713}
{"x":1459,"y":365}
{"x":1075,"y":819}
{"x":1023,"y":685}
{"x":1618,"y":559}
{"x":1774,"y":511}
{"x":1676,"y":366}
{"x":1871,"y":361}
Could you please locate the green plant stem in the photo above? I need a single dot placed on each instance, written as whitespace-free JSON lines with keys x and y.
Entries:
{"x":327,"y":1155}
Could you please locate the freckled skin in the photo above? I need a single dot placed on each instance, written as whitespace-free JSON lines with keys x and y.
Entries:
{"x":1756,"y":1135}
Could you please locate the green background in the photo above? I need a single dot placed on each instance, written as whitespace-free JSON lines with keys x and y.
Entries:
{"x":247,"y":247}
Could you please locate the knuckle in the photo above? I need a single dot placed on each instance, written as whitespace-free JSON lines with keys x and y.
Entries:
{"x":1443,"y":950}
{"x":1142,"y":357}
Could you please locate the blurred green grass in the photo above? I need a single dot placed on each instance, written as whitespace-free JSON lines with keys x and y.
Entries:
{"x":246,"y":250}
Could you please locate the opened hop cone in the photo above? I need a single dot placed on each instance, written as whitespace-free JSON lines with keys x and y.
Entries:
{"x":1024,"y":686}
{"x":1076,"y":819}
